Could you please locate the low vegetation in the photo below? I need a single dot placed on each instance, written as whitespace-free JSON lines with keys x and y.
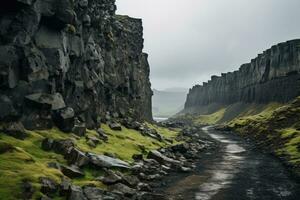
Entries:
{"x":274,"y":126}
{"x":24,"y":160}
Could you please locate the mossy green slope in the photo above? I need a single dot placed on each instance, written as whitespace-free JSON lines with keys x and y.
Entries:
{"x":275,"y":129}
{"x":28,"y":162}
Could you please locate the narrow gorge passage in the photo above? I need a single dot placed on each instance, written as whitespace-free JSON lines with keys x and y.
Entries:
{"x":236,"y":170}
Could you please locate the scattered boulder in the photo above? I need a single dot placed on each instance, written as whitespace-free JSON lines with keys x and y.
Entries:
{"x":76,"y":193}
{"x":63,"y":147}
{"x":15,"y":129}
{"x":48,"y":186}
{"x":102,"y":134}
{"x":111,"y":178}
{"x":144,"y":187}
{"x":115,"y":126}
{"x":27,"y":190}
{"x":102,"y":161}
{"x":156,"y":155}
{"x":151,"y":133}
{"x":64,"y":119}
{"x":64,"y":186}
{"x":93,"y":193}
{"x":122,"y":189}
{"x":72,"y":171}
{"x":130,"y":180}
{"x":77,"y":157}
{"x":79,"y":129}
{"x":46,"y":101}
{"x":181,"y":148}
{"x":92,"y":141}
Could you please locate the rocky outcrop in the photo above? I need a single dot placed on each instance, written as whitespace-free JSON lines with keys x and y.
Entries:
{"x":63,"y":61}
{"x":273,"y":76}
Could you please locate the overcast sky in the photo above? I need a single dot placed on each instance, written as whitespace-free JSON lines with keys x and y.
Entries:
{"x":190,"y":40}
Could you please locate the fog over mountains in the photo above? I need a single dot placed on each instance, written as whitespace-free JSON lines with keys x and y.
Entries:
{"x":168,"y":102}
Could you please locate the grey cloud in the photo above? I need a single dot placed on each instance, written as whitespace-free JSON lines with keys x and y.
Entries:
{"x":190,"y":40}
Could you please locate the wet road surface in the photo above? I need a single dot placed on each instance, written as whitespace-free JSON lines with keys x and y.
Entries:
{"x":235,"y":171}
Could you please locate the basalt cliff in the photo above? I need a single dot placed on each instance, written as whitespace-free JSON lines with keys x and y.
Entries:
{"x":271,"y":77}
{"x":71,"y":62}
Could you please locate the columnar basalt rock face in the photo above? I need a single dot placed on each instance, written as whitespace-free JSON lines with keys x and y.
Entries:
{"x":71,"y":56}
{"x":272,"y":76}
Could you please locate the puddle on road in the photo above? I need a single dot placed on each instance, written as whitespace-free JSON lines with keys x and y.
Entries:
{"x":229,"y":163}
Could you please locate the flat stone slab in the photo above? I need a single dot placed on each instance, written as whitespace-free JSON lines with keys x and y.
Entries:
{"x":107,"y":162}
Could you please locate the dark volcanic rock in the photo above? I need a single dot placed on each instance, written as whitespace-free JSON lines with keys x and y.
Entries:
{"x":102,"y":134}
{"x":271,"y":77}
{"x":156,"y":155}
{"x":64,"y":119}
{"x":111,"y":178}
{"x":46,"y":101}
{"x":115,"y":126}
{"x":71,"y":54}
{"x":64,"y":186}
{"x":102,"y":161}
{"x":76,"y":193}
{"x":77,"y":158}
{"x":48,"y":186}
{"x":79,"y":129}
{"x":27,"y":190}
{"x":122,"y":189}
{"x":72,"y":171}
{"x":15,"y":129}
{"x":93,"y":193}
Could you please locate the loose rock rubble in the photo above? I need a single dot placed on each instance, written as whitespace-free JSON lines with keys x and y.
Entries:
{"x":135,"y":180}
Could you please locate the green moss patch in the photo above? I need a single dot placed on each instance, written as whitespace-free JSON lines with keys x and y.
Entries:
{"x":213,"y":118}
{"x":25,"y":160}
{"x":127,"y":142}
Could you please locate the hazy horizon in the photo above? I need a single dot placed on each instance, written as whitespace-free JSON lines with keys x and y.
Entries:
{"x":188,"y":40}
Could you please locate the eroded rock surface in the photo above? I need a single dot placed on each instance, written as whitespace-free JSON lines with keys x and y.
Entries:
{"x":271,"y":77}
{"x":63,"y":60}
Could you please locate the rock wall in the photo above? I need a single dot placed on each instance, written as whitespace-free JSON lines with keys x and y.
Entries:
{"x":271,"y":77}
{"x":71,"y":61}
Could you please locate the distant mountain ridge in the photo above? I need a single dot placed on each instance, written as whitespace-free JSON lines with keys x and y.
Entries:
{"x":168,"y":102}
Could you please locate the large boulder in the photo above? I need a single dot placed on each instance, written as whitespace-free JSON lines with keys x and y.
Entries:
{"x":102,"y":161}
{"x":15,"y":129}
{"x":102,"y":135}
{"x":115,"y":126}
{"x":93,"y":193}
{"x":64,"y":119}
{"x":156,"y":155}
{"x":72,"y":171}
{"x":77,"y":157}
{"x":111,"y":178}
{"x":79,"y":128}
{"x":76,"y":193}
{"x":63,"y":147}
{"x":48,"y":186}
{"x":46,"y":101}
{"x":120,"y":188}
